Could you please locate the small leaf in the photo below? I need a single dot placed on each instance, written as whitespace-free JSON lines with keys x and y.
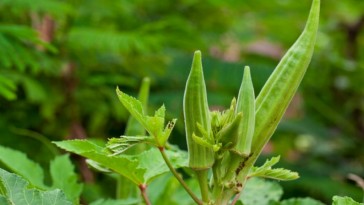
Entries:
{"x":266,"y":171}
{"x":338,"y":200}
{"x":119,"y":145}
{"x":65,"y":178}
{"x":20,"y":164}
{"x":16,"y":192}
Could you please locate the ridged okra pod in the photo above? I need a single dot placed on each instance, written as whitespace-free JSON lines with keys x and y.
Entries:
{"x":196,"y":110}
{"x":245,"y":105}
{"x":281,"y":86}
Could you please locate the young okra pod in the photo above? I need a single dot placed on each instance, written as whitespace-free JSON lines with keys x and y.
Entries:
{"x":196,"y":110}
{"x":246,"y":105}
{"x":281,"y":86}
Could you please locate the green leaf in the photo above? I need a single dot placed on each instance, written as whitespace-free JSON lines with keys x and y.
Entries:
{"x":20,"y":164}
{"x":154,"y":164}
{"x":121,"y":144}
{"x":64,"y":177}
{"x":17,"y":192}
{"x":260,"y":191}
{"x":116,"y":202}
{"x":125,"y":166}
{"x":299,"y":201}
{"x":140,"y":169}
{"x":338,"y":200}
{"x":266,"y":171}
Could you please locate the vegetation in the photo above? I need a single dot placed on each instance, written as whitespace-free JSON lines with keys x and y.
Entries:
{"x":61,"y":60}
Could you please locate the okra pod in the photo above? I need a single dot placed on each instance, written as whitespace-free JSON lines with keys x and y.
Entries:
{"x":281,"y":86}
{"x":246,"y":105}
{"x":196,"y":110}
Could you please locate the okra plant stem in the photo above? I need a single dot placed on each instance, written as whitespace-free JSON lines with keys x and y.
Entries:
{"x":143,"y":191}
{"x":202,"y":176}
{"x":178,"y":177}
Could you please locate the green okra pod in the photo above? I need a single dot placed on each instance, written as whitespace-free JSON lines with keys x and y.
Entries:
{"x":196,"y":110}
{"x":246,"y":105}
{"x":281,"y":86}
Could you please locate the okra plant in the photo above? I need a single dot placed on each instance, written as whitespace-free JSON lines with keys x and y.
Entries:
{"x":223,"y":146}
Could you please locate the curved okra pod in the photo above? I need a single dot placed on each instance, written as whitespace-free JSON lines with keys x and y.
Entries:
{"x":246,"y":105}
{"x":281,"y":86}
{"x":195,"y":110}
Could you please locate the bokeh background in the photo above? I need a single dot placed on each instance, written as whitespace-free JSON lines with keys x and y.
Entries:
{"x":61,"y":60}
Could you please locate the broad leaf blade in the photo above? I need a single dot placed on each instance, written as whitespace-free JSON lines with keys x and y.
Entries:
{"x":20,"y":164}
{"x":300,"y":201}
{"x":337,"y":200}
{"x":155,"y":166}
{"x":125,"y":166}
{"x":17,"y":192}
{"x":64,"y":177}
{"x":116,"y":202}
{"x":260,"y":191}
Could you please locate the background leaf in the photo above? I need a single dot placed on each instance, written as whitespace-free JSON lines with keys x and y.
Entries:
{"x":260,"y":191}
{"x":64,"y":177}
{"x":20,"y":164}
{"x":17,"y":192}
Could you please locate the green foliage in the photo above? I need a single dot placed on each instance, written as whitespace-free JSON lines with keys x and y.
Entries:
{"x":266,"y":171}
{"x":16,"y":191}
{"x":20,"y":164}
{"x":140,"y":169}
{"x":61,"y":169}
{"x":260,"y":191}
{"x":64,"y":177}
{"x":300,"y":201}
{"x":337,"y":200}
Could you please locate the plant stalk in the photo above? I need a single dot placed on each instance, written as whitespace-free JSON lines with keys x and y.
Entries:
{"x":202,"y":176}
{"x":143,"y":191}
{"x":178,"y":177}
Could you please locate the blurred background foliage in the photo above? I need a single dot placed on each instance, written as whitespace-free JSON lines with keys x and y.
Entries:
{"x":60,"y":61}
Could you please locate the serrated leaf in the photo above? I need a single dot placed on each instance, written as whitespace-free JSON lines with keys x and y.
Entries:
{"x":153,"y":124}
{"x":125,"y":166}
{"x":20,"y":164}
{"x":116,"y":202}
{"x":133,"y":106}
{"x":140,"y":169}
{"x":155,"y":166}
{"x":260,"y":191}
{"x":119,"y":145}
{"x":17,"y":192}
{"x":299,"y":201}
{"x":64,"y":177}
{"x":266,"y":171}
{"x":338,"y":200}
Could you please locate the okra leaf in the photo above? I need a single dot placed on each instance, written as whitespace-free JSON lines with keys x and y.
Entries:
{"x":119,"y":145}
{"x":260,"y":191}
{"x":125,"y":166}
{"x":17,"y":191}
{"x":299,"y":201}
{"x":140,"y":169}
{"x":155,"y":166}
{"x":20,"y":164}
{"x":133,"y":105}
{"x":266,"y":171}
{"x":65,"y":178}
{"x":153,"y":124}
{"x":130,"y":201}
{"x":338,"y":200}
